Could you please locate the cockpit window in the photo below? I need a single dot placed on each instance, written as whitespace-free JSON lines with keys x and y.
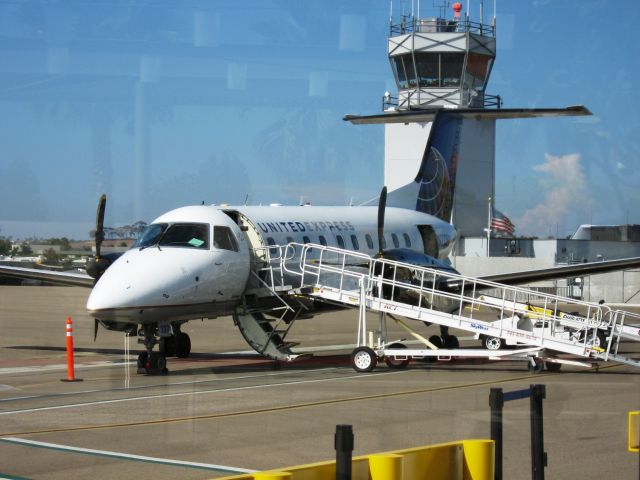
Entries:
{"x":223,"y":238}
{"x":150,"y":235}
{"x":192,"y":235}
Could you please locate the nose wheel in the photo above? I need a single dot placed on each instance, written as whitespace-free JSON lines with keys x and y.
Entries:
{"x":150,"y":362}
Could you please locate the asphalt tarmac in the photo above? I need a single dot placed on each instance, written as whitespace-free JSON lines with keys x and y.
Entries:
{"x":226,"y":410}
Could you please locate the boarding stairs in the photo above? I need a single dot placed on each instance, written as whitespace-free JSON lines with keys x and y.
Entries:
{"x":267,"y":313}
{"x":541,"y":329}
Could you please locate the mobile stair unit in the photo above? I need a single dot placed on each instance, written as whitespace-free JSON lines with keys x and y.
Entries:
{"x":544,"y":329}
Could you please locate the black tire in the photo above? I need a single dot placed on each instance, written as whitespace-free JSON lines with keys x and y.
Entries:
{"x":183,"y":345}
{"x":161,"y":364}
{"x":537,"y":366}
{"x":492,"y":343}
{"x":552,"y":366}
{"x":393,"y":362}
{"x":142,"y":360}
{"x":436,"y":341}
{"x":169,"y":346}
{"x":363,"y":359}
{"x":157,"y":363}
{"x":451,"y":342}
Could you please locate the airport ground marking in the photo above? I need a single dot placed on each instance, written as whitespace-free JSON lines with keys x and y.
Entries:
{"x":172,"y":384}
{"x":125,"y":456}
{"x":183,"y":394}
{"x":260,"y":411}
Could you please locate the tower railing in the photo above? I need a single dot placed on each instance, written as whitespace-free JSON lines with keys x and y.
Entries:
{"x":412,"y":24}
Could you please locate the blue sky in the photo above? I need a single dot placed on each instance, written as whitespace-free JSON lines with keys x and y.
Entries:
{"x":161,"y":104}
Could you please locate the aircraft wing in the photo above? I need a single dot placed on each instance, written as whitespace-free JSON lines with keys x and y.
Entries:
{"x":576,"y":270}
{"x":60,"y":278}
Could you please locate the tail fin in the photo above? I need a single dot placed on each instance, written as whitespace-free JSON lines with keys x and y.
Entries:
{"x":433,"y":187}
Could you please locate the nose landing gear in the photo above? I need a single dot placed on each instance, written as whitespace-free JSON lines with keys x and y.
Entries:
{"x":150,"y":362}
{"x":153,"y":363}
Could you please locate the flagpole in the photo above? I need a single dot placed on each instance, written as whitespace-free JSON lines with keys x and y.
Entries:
{"x":488,"y":226}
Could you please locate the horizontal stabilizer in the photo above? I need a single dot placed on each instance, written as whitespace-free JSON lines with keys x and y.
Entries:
{"x":427,"y":115}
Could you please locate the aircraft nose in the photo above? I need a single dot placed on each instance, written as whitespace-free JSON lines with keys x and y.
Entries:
{"x":140,"y":279}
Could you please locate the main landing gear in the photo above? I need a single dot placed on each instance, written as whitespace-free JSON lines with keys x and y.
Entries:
{"x":153,"y":363}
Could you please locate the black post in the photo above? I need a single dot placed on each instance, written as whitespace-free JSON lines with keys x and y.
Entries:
{"x":496,"y":402}
{"x":344,"y":450}
{"x":538,"y":455}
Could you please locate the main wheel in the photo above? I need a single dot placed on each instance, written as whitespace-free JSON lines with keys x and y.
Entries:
{"x":363,"y":359}
{"x":169,"y":345}
{"x":492,"y":343}
{"x":436,"y":341}
{"x":183,"y":345}
{"x":536,"y":367}
{"x":451,"y":342}
{"x":395,"y":362}
{"x":552,"y":366}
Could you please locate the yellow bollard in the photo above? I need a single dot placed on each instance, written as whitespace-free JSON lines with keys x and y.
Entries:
{"x":272,"y":476}
{"x":479,"y":457}
{"x":385,"y":466}
{"x":634,"y":431}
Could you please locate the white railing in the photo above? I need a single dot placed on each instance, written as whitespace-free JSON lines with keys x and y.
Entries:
{"x":423,"y":293}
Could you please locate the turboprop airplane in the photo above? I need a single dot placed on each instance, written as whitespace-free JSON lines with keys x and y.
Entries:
{"x":201,"y":261}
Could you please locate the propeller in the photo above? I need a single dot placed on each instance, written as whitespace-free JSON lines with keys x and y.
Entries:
{"x":382,"y":205}
{"x":99,"y":235}
{"x":97,"y":265}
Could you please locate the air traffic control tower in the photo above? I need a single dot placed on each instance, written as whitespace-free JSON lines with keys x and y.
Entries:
{"x":441,"y":62}
{"x":441,"y":65}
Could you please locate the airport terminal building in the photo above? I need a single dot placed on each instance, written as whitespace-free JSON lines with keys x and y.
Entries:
{"x":590,"y":243}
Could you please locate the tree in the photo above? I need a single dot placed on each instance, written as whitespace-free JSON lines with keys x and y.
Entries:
{"x":5,"y":246}
{"x":51,"y":256}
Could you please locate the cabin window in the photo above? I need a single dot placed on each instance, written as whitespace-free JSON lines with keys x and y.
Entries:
{"x":272,"y":251}
{"x":384,"y":242}
{"x":407,"y":240}
{"x":369,"y":240}
{"x":322,"y":240}
{"x":306,"y":239}
{"x":340,"y":241}
{"x":290,"y":240}
{"x":354,"y":242}
{"x":396,"y":242}
{"x":189,"y":235}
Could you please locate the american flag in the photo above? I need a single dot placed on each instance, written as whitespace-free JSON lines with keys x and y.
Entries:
{"x":501,"y":223}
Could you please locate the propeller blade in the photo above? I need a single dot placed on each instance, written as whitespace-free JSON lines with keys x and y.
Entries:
{"x":97,"y":265}
{"x":382,"y":205}
{"x":95,"y":329}
{"x":99,"y":235}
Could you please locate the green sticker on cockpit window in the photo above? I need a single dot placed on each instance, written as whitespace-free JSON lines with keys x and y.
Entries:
{"x":196,"y":242}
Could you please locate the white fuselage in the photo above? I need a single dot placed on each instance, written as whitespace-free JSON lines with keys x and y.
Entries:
{"x":181,"y":275}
